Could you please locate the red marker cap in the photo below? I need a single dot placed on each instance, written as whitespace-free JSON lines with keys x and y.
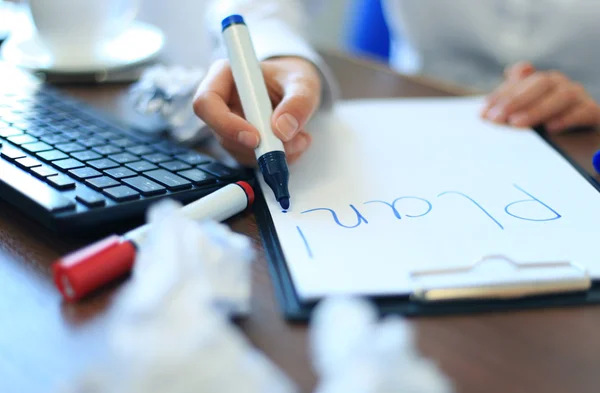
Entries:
{"x":88,"y":269}
{"x":248,"y":190}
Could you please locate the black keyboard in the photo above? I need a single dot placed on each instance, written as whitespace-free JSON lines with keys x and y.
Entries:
{"x":72,"y":169}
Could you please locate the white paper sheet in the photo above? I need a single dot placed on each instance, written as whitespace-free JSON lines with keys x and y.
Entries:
{"x":463,"y":189}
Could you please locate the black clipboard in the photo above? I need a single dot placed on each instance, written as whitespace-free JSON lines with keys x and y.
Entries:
{"x":296,"y":310}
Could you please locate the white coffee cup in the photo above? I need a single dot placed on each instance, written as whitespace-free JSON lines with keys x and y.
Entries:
{"x":76,"y":32}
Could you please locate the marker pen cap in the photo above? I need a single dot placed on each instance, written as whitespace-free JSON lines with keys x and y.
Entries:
{"x":596,"y":161}
{"x":88,"y":269}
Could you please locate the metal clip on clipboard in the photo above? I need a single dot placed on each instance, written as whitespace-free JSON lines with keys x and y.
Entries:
{"x":496,"y":277}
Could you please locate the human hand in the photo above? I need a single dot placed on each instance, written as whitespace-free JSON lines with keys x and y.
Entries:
{"x":529,"y":98}
{"x":294,"y":86}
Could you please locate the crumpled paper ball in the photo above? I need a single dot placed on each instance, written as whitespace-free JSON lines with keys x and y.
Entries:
{"x":170,"y":328}
{"x":178,"y":253}
{"x":169,"y":91}
{"x":355,"y":352}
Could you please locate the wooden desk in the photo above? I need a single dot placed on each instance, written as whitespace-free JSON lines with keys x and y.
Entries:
{"x":43,"y":341}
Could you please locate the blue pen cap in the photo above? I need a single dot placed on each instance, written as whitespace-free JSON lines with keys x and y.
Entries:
{"x":232,"y":20}
{"x":596,"y":161}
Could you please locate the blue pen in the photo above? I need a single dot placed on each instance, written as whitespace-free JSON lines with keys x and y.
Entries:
{"x":257,"y":107}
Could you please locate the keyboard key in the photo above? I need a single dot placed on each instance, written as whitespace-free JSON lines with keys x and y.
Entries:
{"x":106,"y":150}
{"x":21,"y":125}
{"x":86,"y":155}
{"x":121,"y":193}
{"x":21,"y":139}
{"x":120,"y":172}
{"x":174,"y":165}
{"x":11,"y":117}
{"x":123,"y":142}
{"x":77,"y":122}
{"x":27,"y":162}
{"x":217,"y":169}
{"x":11,"y":154}
{"x":93,"y":128}
{"x":156,"y":158}
{"x":197,"y":176}
{"x":99,"y":183}
{"x":110,"y":135}
{"x":84,"y":173}
{"x":168,"y":148}
{"x":44,"y":171}
{"x":38,"y":191}
{"x":63,"y":134}
{"x":35,"y":123}
{"x":141,"y":166}
{"x":89,"y":198}
{"x":194,"y":158}
{"x":140,"y":150}
{"x":36,"y":147}
{"x":70,"y":147}
{"x":103,"y":163}
{"x":145,"y":186}
{"x":69,"y":163}
{"x":38,"y":131}
{"x":168,"y":179}
{"x":74,"y":134}
{"x":54,"y":139}
{"x":9,"y":131}
{"x":58,"y":118}
{"x":91,"y":141}
{"x":123,"y":158}
{"x":61,"y":182}
{"x":51,"y":155}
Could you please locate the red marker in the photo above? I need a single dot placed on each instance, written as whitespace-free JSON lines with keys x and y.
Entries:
{"x":88,"y":269}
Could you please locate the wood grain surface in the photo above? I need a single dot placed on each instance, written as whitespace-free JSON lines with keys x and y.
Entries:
{"x":44,"y":342}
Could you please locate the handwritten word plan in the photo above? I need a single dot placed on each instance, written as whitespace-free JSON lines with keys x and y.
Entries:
{"x":390,"y":187}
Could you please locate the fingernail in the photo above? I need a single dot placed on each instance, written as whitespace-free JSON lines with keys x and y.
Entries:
{"x":287,"y":125}
{"x":519,"y":119}
{"x":248,"y":139}
{"x":496,"y":113}
{"x":300,"y":144}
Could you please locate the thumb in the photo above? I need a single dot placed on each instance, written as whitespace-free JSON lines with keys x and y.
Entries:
{"x":518,"y":71}
{"x":300,"y":100}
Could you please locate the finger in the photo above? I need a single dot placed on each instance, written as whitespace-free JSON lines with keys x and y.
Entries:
{"x":493,"y":97}
{"x":528,"y":91}
{"x":298,"y":145}
{"x":293,"y":158}
{"x":587,"y":113}
{"x":301,"y":97}
{"x":551,"y":105}
{"x":239,"y":152}
{"x":211,"y":105}
{"x":293,"y":149}
{"x":518,"y":71}
{"x":524,"y":94}
{"x":512,"y":74}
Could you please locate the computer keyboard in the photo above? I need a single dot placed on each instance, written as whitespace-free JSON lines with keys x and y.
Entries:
{"x":72,"y":169}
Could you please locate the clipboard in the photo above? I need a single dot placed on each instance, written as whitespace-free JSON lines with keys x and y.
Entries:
{"x":536,"y":289}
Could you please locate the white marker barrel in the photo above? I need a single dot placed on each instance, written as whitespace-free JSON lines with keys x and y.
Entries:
{"x":219,"y":206}
{"x":250,"y":84}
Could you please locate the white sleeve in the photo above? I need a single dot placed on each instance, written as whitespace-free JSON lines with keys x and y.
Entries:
{"x":276,"y":27}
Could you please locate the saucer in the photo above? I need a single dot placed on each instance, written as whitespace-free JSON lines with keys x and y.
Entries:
{"x":137,"y":44}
